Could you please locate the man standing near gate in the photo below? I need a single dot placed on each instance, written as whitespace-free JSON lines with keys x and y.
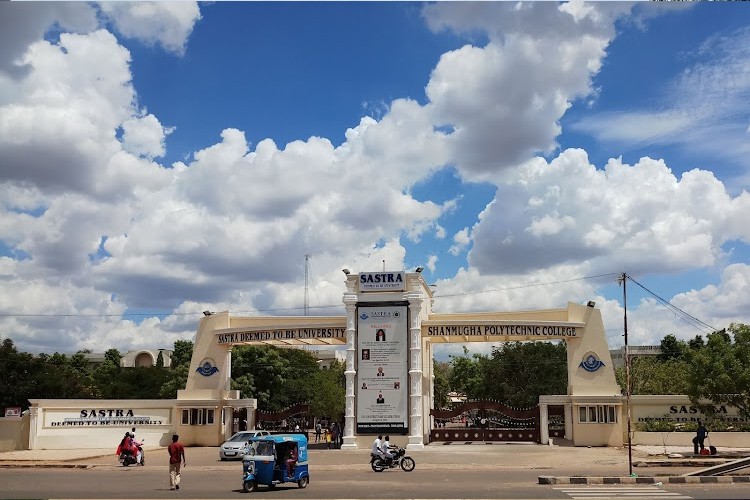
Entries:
{"x":700,"y":438}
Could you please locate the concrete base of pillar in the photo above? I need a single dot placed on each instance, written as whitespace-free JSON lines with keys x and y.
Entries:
{"x":415,"y":447}
{"x":350,"y":443}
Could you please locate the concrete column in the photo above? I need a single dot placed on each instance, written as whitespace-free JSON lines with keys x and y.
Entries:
{"x":350,"y":417}
{"x":543,"y":423}
{"x":33,"y":425}
{"x":568,"y":416}
{"x":229,"y":422}
{"x":250,"y":416}
{"x":416,"y":436}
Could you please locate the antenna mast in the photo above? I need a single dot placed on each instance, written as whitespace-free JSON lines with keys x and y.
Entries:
{"x":307,"y":279}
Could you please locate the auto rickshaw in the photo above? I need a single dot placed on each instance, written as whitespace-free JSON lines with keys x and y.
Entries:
{"x":270,"y":459}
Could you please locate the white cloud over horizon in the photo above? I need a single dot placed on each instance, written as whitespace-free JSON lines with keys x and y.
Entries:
{"x":96,"y":228}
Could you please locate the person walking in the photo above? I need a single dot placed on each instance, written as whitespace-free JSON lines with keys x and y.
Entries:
{"x":335,"y":435}
{"x":176,"y":455}
{"x":318,"y":431}
{"x":700,"y":438}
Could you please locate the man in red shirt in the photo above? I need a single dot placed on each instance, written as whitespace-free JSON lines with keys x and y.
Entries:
{"x":176,"y":455}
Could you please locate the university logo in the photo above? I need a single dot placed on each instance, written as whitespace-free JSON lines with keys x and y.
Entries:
{"x":591,"y":362}
{"x":207,"y":367}
{"x":363,"y":316}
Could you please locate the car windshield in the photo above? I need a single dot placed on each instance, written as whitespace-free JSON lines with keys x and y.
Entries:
{"x":242,"y":436}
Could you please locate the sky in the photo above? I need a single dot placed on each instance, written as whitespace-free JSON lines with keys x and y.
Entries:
{"x":162,"y":159}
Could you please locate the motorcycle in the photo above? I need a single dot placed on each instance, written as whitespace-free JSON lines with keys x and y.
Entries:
{"x":127,"y":457}
{"x":399,"y":459}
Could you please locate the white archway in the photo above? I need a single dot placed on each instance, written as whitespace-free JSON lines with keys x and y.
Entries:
{"x":389,"y":332}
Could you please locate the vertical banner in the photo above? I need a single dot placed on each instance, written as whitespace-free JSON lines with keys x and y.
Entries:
{"x":382,"y":373}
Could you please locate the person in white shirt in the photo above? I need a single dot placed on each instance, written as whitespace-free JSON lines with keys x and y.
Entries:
{"x":376,"y":447}
{"x":385,"y":447}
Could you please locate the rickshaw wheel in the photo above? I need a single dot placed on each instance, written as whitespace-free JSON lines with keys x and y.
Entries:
{"x":408,"y":464}
{"x":303,"y":481}
{"x":249,"y":486}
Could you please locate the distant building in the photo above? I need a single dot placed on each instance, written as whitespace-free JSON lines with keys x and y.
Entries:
{"x":326,"y":357}
{"x":137,"y":358}
{"x":636,"y":351}
{"x":145,"y":358}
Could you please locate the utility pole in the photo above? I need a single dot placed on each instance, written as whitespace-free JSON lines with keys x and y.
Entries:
{"x":307,"y":287}
{"x":624,"y":281}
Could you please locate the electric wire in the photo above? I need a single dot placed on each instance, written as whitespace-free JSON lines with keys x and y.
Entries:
{"x":686,"y":317}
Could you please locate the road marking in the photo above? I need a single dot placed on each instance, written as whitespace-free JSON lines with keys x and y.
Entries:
{"x":619,"y":491}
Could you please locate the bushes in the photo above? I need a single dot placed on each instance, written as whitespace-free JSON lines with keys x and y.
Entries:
{"x":657,"y":425}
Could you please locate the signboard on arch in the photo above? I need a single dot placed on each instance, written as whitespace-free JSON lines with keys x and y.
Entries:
{"x":382,"y":371}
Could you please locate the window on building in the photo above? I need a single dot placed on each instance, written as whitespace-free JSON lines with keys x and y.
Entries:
{"x":198,"y":416}
{"x":597,"y":414}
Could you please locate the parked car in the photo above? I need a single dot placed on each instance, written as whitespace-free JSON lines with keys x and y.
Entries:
{"x":234,"y":448}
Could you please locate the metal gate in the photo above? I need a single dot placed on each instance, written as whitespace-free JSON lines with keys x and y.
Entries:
{"x":285,"y":420}
{"x":485,"y":421}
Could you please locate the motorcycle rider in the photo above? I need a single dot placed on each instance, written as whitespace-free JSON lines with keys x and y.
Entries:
{"x":385,"y":448}
{"x":377,"y":447}
{"x":137,"y":447}
{"x":126,"y":447}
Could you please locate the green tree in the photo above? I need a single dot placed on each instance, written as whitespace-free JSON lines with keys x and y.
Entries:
{"x":176,"y":380}
{"x":696,"y":343}
{"x":650,"y":375}
{"x":79,"y":363}
{"x":160,"y":360}
{"x":112,"y":356}
{"x":281,"y":377}
{"x":466,"y":375}
{"x":329,"y":394}
{"x":671,"y":348}
{"x":519,"y":372}
{"x":182,"y":353}
{"x":18,"y":374}
{"x":720,"y":371}
{"x":441,"y":371}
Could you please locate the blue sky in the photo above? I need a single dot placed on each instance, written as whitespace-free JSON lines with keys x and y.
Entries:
{"x":161,"y":159}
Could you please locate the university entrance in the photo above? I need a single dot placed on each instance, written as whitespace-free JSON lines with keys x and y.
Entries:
{"x":389,"y":332}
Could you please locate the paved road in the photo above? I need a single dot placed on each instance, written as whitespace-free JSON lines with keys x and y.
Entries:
{"x":446,"y":472}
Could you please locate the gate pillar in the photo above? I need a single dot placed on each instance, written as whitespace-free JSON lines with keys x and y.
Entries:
{"x":543,"y":423}
{"x":350,"y":301}
{"x":568,"y":416}
{"x":416,"y":427}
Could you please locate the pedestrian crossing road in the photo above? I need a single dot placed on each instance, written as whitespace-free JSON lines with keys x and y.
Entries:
{"x":620,"y":491}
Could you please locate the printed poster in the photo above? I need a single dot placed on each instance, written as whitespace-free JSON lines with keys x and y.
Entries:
{"x":382,"y":369}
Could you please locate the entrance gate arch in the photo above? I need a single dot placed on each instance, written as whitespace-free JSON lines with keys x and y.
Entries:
{"x":389,"y":333}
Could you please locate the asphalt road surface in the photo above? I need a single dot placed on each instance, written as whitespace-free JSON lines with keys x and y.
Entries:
{"x":464,"y":473}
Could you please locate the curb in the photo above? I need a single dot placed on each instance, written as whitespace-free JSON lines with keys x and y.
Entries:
{"x":18,"y":465}
{"x":645,"y":480}
{"x":680,"y":463}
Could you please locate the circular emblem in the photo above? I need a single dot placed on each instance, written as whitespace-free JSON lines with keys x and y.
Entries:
{"x":207,"y":367}
{"x":591,"y":362}
{"x":395,"y":314}
{"x":363,"y":316}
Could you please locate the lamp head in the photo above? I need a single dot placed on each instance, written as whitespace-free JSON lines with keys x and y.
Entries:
{"x":346,"y":271}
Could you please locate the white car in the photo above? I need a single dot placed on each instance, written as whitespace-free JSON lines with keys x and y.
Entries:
{"x":235,"y":446}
